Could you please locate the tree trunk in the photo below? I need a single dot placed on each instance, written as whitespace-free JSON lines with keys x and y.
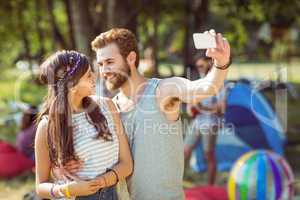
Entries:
{"x":24,"y":36}
{"x":110,"y":14}
{"x":200,"y":14}
{"x":187,"y":51}
{"x":155,"y":14}
{"x":196,"y":13}
{"x":84,"y":32}
{"x":57,"y":35}
{"x":122,"y":14}
{"x":40,"y":33}
{"x":99,"y":15}
{"x":70,"y":23}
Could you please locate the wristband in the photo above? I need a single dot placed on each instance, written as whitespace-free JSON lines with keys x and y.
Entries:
{"x":60,"y":193}
{"x":67,"y":191}
{"x":117,"y":177}
{"x":224,"y":66}
{"x":52,"y":192}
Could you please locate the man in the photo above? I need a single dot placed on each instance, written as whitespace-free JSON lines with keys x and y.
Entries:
{"x":149,"y":111}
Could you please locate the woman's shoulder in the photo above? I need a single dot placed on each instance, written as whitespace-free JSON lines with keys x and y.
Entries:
{"x":43,"y":121}
{"x":41,"y":133}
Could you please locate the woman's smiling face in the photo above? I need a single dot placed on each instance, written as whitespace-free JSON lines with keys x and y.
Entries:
{"x":86,"y":85}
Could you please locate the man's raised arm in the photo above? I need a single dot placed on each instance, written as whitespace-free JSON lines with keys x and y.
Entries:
{"x":194,"y":91}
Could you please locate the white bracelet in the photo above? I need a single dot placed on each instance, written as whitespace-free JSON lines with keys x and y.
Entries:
{"x":60,"y":193}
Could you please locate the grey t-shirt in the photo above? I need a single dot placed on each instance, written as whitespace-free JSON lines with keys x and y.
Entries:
{"x":157,"y":150}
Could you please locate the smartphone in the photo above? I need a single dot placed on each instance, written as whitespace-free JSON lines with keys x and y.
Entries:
{"x":204,"y":41}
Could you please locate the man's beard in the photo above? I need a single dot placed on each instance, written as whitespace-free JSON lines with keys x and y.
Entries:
{"x":119,"y":79}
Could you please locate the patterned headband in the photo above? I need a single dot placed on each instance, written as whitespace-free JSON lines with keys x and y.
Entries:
{"x":71,"y":71}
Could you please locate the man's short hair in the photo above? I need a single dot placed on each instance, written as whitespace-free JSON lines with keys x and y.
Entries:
{"x":123,"y":38}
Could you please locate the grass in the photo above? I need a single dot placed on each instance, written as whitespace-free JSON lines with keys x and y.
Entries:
{"x":16,"y":188}
{"x":14,"y":85}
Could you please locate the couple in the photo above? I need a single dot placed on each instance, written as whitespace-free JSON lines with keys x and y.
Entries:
{"x":98,"y":142}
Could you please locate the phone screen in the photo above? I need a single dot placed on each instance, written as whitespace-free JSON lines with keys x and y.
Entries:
{"x":204,"y":41}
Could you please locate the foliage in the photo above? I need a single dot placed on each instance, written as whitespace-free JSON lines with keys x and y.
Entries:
{"x":30,"y":20}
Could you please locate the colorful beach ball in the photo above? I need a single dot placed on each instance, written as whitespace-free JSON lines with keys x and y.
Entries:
{"x":261,"y":175}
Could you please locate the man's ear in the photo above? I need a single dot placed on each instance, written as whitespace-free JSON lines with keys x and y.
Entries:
{"x":131,"y":58}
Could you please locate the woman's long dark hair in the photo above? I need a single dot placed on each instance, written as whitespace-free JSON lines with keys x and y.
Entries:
{"x":60,"y":72}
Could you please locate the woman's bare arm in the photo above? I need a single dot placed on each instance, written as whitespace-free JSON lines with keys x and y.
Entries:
{"x":42,"y":161}
{"x":125,"y":166}
{"x":43,"y":166}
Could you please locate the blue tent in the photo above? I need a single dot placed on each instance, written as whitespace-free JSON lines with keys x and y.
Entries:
{"x":250,"y":123}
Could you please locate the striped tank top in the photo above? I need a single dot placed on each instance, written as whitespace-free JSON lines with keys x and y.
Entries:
{"x":157,"y":149}
{"x":97,"y":155}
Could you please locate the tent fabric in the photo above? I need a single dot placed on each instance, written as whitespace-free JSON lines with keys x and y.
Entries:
{"x":250,"y":123}
{"x":12,"y":162}
{"x":206,"y":193}
{"x":228,"y":149}
{"x":254,"y":112}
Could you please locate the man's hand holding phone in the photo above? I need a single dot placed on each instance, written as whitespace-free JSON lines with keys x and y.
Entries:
{"x":217,"y":47}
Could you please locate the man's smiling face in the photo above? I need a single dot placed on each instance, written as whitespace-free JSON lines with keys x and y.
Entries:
{"x":113,"y":67}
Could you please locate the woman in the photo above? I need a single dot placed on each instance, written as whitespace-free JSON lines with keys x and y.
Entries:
{"x":73,"y":125}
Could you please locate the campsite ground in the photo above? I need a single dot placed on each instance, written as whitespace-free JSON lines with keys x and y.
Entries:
{"x":9,"y":83}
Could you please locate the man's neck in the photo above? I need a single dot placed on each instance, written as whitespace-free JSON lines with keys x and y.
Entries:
{"x":133,"y":86}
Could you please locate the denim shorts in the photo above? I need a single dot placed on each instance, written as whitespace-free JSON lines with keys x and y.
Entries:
{"x":108,"y":193}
